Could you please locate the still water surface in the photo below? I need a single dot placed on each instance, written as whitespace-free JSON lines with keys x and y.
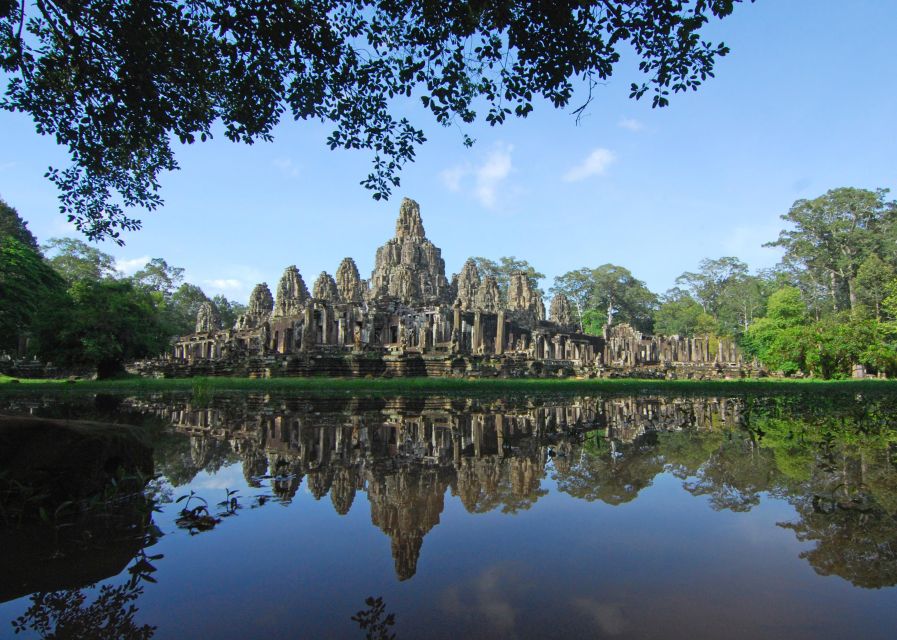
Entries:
{"x":539,"y":517}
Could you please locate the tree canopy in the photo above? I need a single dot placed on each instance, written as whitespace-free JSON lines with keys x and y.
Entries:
{"x":75,"y":260}
{"x":607,"y":294}
{"x":832,"y":236}
{"x":11,"y":224}
{"x":116,"y":81}
{"x":104,"y":324}
{"x":27,"y":285}
{"x":503,"y":269}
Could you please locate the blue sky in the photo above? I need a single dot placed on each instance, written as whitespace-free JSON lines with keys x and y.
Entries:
{"x":806,"y":102}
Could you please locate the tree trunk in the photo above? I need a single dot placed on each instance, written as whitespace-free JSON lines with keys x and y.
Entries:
{"x":833,"y":289}
{"x":610,"y":311}
{"x":851,"y":289}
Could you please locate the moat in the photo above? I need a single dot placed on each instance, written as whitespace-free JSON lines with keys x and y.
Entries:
{"x":537,"y":516}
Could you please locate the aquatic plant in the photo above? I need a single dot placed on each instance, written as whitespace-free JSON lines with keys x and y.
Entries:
{"x":198,"y":518}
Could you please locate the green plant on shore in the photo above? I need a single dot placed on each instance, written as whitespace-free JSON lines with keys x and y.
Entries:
{"x":205,"y":388}
{"x":201,"y":390}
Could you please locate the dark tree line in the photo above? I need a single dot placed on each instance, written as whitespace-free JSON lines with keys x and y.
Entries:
{"x":65,"y":302}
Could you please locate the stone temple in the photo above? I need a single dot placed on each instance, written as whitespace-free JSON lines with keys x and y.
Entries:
{"x":409,"y":319}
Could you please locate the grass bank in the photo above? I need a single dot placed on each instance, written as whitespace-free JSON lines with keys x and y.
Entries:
{"x":459,"y":386}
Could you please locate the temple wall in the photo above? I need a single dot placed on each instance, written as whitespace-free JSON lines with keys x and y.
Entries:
{"x":409,"y":320}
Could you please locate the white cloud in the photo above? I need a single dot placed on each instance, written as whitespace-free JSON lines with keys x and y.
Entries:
{"x":632,"y":124}
{"x":483,"y":180}
{"x":287,"y":167}
{"x":491,"y":600}
{"x":225,"y":284}
{"x":451,"y":178}
{"x":609,"y":618}
{"x":594,"y":165}
{"x":491,"y":174}
{"x":130,"y":266}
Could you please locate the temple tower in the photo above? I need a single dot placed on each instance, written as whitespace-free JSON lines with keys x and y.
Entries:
{"x":410,"y":267}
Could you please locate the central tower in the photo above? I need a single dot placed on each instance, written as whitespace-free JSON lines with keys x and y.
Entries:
{"x":409,"y":267}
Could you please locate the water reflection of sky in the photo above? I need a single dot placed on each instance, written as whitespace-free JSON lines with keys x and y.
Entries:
{"x":665,"y":561}
{"x":664,"y":564}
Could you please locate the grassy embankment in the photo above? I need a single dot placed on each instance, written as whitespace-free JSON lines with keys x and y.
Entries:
{"x":467,"y":386}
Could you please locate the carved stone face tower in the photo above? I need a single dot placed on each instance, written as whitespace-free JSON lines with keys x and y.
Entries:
{"x":488,"y":296}
{"x":468,"y":285}
{"x":291,"y":293}
{"x":522,"y":296}
{"x":348,"y":282}
{"x":410,"y":267}
{"x":207,"y":318}
{"x":325,"y":288}
{"x":561,"y":311}
{"x":260,"y":300}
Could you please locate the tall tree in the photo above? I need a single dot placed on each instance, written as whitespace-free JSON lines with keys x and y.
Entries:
{"x":608,"y":293}
{"x":11,"y":224}
{"x":741,"y":300}
{"x":779,"y":339}
{"x":116,"y":81}
{"x":503,"y":269}
{"x":105,"y":324}
{"x":157,"y":275}
{"x":76,"y":260}
{"x":680,"y":314}
{"x":28,"y":285}
{"x":228,"y":310}
{"x":622,"y":296}
{"x":832,"y":235}
{"x":813,"y":288}
{"x":873,"y":278}
{"x":709,"y":283}
{"x":577,"y":285}
{"x":183,"y":306}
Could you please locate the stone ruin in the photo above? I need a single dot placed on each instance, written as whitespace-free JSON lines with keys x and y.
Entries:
{"x":409,"y":267}
{"x":348,"y":283}
{"x":207,"y":318}
{"x":410,"y":319}
{"x":561,"y":313}
{"x":291,"y":293}
{"x":325,"y":288}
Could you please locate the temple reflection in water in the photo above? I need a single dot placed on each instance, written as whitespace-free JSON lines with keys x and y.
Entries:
{"x":404,"y":453}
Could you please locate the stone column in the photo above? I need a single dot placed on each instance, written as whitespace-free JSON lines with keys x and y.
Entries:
{"x":500,"y":333}
{"x":476,"y":334}
{"x":308,"y":330}
{"x":325,"y":325}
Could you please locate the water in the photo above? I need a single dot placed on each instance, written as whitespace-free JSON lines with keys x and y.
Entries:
{"x":530,"y":517}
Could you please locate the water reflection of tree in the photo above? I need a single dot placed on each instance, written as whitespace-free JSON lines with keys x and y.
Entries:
{"x":109,"y":615}
{"x":731,"y":451}
{"x":735,"y":474}
{"x":614,"y":474}
{"x":375,"y":621}
{"x":179,"y":459}
{"x":855,"y":539}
